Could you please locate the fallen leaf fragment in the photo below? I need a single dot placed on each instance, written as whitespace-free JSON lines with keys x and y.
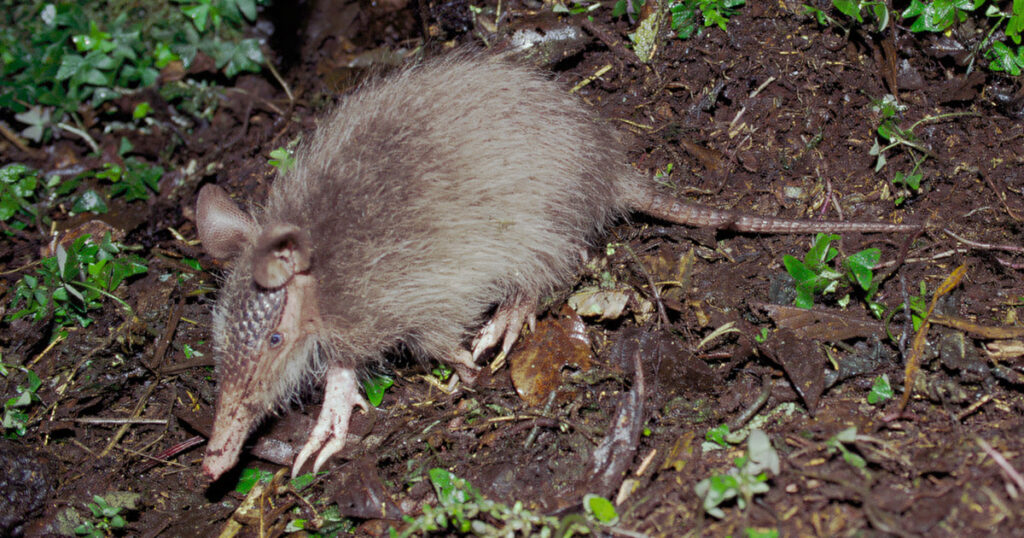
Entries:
{"x":822,"y":324}
{"x":537,"y":367}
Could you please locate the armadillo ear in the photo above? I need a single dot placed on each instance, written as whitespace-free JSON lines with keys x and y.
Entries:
{"x":224,"y":229}
{"x":281,"y":251}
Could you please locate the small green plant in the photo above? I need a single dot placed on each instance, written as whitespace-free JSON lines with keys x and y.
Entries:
{"x":895,"y":137}
{"x":838,"y":442}
{"x":250,"y":477}
{"x":626,"y":7}
{"x":375,"y":386}
{"x":814,"y":275}
{"x":663,"y":174}
{"x":576,"y":8}
{"x":463,"y":510}
{"x":687,"y":15}
{"x":15,"y":421}
{"x":939,"y":16}
{"x":881,"y":390}
{"x":17,"y":187}
{"x":855,"y":9}
{"x":1000,"y":55}
{"x":134,"y":180}
{"x":190,"y":352}
{"x":74,"y":281}
{"x":282,"y":159}
{"x":106,"y":519}
{"x":601,"y":509}
{"x":718,"y":435}
{"x":57,"y":57}
{"x":1002,"y":58}
{"x":919,"y":306}
{"x":748,"y":478}
{"x":442,"y":372}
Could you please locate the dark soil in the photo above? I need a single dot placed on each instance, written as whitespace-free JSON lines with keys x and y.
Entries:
{"x":773,"y":117}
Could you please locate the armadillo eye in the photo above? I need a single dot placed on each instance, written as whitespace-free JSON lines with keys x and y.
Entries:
{"x":276,"y":339}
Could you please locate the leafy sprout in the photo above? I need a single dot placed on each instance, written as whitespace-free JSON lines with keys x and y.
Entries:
{"x":75,"y":281}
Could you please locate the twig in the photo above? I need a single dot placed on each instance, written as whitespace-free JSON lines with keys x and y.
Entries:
{"x":17,"y":141}
{"x":1012,"y":473}
{"x":84,"y":135}
{"x":18,"y":269}
{"x":597,"y":74}
{"x":1000,"y":196}
{"x":116,"y":438}
{"x":984,"y":246}
{"x":974,"y":407}
{"x":284,"y":85}
{"x":158,"y":356}
{"x":104,"y":420}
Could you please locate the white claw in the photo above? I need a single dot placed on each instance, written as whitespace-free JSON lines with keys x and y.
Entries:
{"x":341,"y":394}
{"x":488,"y":335}
{"x":506,"y":324}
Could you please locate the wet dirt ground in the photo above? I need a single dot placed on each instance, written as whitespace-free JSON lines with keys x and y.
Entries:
{"x":773,"y":117}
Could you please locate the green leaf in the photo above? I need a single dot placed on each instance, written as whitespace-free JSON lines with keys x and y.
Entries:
{"x":797,"y":269}
{"x":141,"y":110}
{"x":69,"y":65}
{"x":602,"y":509}
{"x":818,"y":14}
{"x":718,"y":435}
{"x":8,"y":207}
{"x":849,"y":8}
{"x":163,"y":55}
{"x":861,"y":265}
{"x":302,"y":481}
{"x":619,"y":9}
{"x":881,"y":15}
{"x":243,"y":56}
{"x":33,"y":381}
{"x":1003,"y":59}
{"x":374,"y":388}
{"x":881,"y":390}
{"x":913,"y":10}
{"x":805,"y":294}
{"x":198,"y":14}
{"x":250,"y":477}
{"x":443,"y":482}
{"x":821,"y":252}
{"x":89,"y":201}
{"x":248,"y":8}
{"x":125,"y":146}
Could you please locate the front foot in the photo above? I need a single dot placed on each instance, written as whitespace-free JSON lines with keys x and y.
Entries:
{"x":341,"y":394}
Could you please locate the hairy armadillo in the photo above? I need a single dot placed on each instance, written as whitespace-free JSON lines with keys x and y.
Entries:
{"x":421,"y":201}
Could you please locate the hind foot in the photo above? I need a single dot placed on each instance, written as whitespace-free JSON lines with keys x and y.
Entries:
{"x":506,"y":324}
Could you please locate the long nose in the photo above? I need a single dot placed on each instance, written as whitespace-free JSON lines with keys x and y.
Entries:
{"x":230,"y":429}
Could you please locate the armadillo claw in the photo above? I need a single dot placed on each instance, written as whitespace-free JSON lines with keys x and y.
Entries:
{"x":465,"y":367}
{"x":506,"y":324}
{"x":341,"y":394}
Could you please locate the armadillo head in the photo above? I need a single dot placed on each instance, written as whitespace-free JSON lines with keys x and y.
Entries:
{"x":265,"y":322}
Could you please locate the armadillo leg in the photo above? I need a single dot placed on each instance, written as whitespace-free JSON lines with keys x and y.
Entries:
{"x":506,"y":324}
{"x":328,"y":436}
